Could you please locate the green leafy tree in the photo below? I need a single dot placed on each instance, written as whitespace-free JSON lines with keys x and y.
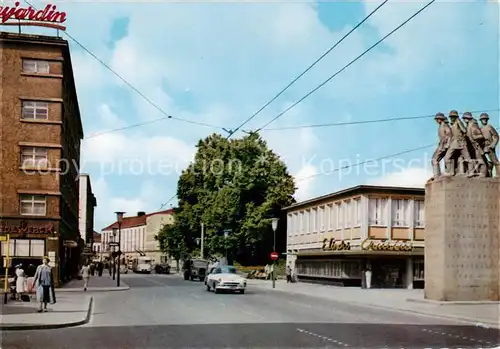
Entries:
{"x":172,"y":242}
{"x":235,"y":185}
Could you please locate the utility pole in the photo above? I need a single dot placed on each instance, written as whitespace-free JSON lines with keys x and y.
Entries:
{"x":202,"y":240}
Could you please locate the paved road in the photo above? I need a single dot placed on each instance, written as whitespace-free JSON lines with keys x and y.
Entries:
{"x":164,"y":311}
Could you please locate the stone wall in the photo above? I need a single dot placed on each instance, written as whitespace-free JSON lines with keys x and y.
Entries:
{"x":462,"y":242}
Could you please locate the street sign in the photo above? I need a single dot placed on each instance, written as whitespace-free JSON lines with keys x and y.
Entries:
{"x":274,"y":256}
{"x":113,"y":243}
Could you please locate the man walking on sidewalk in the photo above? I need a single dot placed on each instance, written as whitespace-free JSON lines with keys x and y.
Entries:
{"x":288,"y":273}
{"x":85,"y":275}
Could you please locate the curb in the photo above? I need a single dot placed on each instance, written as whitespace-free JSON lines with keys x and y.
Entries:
{"x":444,"y":303}
{"x":97,"y":289}
{"x":466,"y":320}
{"x":7,"y":328}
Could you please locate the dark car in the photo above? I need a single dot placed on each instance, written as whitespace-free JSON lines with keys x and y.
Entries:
{"x":162,"y":268}
{"x":195,"y":269}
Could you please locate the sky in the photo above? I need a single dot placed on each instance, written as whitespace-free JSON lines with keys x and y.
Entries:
{"x":219,"y":62}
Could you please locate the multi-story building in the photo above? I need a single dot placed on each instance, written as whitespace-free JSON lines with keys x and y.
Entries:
{"x":336,"y":237}
{"x":138,"y":235}
{"x":40,"y":135}
{"x":97,"y":246}
{"x":87,"y":206}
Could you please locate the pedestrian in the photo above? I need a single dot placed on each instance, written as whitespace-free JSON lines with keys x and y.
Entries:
{"x":44,"y":282}
{"x":288,"y":274}
{"x":85,"y":272}
{"x":100,"y":267}
{"x":21,"y":282}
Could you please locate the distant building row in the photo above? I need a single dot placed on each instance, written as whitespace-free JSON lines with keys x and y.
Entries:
{"x":138,"y":235}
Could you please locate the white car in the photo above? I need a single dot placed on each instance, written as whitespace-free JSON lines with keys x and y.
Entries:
{"x":225,"y":278}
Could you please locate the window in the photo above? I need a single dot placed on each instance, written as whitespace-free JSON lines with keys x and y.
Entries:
{"x":419,"y":214}
{"x":347,"y":214}
{"x":35,"y":110}
{"x":321,"y":218}
{"x":378,"y":211}
{"x":295,"y":223}
{"x":357,"y":213}
{"x":24,"y":248}
{"x":33,"y":205}
{"x":308,"y":219}
{"x":34,"y":157}
{"x":339,"y":216}
{"x":333,"y":216}
{"x":36,"y":66}
{"x":302,"y":222}
{"x":314,"y":218}
{"x":289,"y":224}
{"x":328,"y":217}
{"x":400,"y":212}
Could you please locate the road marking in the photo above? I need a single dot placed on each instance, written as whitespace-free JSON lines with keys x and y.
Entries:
{"x":322,"y":337}
{"x":457,"y":336}
{"x":194,"y":295}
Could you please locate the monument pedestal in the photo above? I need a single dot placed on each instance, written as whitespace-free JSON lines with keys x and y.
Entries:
{"x":462,"y":248}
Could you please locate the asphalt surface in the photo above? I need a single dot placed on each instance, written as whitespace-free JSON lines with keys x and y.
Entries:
{"x":164,"y":311}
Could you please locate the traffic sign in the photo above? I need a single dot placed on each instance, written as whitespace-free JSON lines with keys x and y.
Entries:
{"x":274,"y":256}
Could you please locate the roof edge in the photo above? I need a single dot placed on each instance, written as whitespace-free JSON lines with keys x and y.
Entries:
{"x":352,"y":190}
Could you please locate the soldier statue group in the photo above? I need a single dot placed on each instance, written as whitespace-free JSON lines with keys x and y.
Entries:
{"x":467,"y":149}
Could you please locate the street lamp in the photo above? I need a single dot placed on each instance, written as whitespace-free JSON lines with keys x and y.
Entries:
{"x":119,"y":219}
{"x":274,"y":224}
{"x":114,"y":248}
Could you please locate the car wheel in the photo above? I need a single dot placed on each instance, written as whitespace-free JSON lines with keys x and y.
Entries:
{"x":216,"y":290}
{"x":242,"y":291}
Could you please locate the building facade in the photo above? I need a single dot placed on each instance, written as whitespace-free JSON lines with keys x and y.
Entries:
{"x":336,"y":238}
{"x":86,"y":208}
{"x":40,"y":135}
{"x":138,"y":235}
{"x":97,"y":247}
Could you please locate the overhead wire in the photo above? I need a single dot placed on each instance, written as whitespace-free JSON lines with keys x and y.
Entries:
{"x":344,"y":67}
{"x":135,"y":89}
{"x":362,"y":122}
{"x":369,"y":161}
{"x":307,"y":69}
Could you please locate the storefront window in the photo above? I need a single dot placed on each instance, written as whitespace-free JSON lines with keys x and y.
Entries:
{"x":418,"y":269}
{"x":24,"y":248}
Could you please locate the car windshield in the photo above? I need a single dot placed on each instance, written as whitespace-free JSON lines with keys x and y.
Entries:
{"x":199,"y":264}
{"x":228,"y":270}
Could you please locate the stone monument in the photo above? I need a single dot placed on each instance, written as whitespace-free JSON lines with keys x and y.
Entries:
{"x":462,"y":212}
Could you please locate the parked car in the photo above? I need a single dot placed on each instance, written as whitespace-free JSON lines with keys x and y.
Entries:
{"x":225,"y":278}
{"x":162,"y":268}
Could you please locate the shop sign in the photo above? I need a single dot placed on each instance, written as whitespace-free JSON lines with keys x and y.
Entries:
{"x":398,"y":246}
{"x":24,"y":228}
{"x":335,"y":245}
{"x":49,"y":17}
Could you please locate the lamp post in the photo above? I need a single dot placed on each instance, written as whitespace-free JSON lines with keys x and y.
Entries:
{"x":119,"y":219}
{"x":114,"y":248}
{"x":274,"y":224}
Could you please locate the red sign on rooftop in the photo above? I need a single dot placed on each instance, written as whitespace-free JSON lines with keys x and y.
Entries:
{"x":28,"y":16}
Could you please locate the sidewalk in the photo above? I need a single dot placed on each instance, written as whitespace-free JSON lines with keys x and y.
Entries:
{"x":96,"y":284}
{"x":393,"y":299}
{"x":69,"y":310}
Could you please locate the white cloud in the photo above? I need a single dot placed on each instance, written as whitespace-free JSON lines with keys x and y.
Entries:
{"x":305,"y":182}
{"x":146,"y":200}
{"x":410,"y":177}
{"x":119,"y":154}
